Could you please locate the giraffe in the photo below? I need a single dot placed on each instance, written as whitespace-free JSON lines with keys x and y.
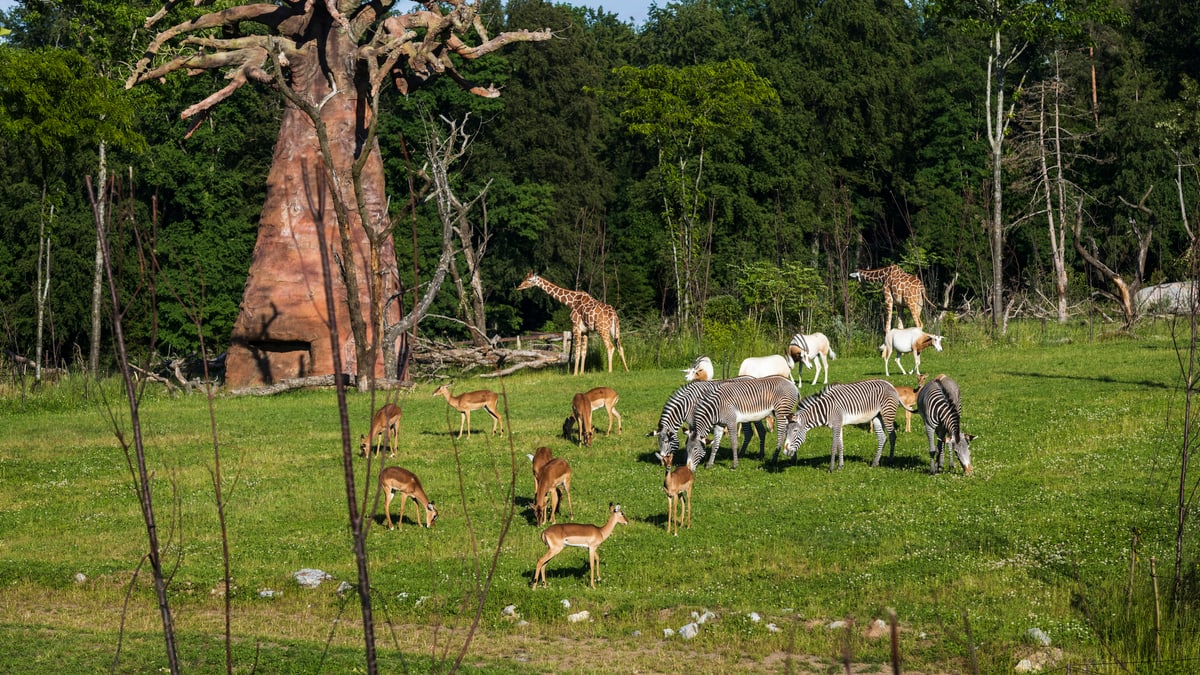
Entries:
{"x":587,"y":314}
{"x":898,"y":286}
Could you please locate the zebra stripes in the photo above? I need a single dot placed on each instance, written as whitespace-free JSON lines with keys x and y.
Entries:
{"x":941,"y":408}
{"x":679,"y":410}
{"x":873,"y":401}
{"x":736,"y":401}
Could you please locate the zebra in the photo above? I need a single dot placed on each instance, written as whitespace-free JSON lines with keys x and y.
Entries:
{"x":873,"y":401}
{"x":736,"y":401}
{"x":941,"y":407}
{"x":680,"y":409}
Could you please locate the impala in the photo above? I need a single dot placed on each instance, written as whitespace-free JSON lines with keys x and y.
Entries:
{"x":385,"y":423}
{"x":582,"y":406}
{"x":473,"y":400}
{"x":678,"y":485}
{"x":555,"y":474}
{"x":908,"y":396}
{"x":556,"y":537}
{"x":393,"y":479}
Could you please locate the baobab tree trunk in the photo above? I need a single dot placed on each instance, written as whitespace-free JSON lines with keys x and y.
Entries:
{"x":282,"y":327}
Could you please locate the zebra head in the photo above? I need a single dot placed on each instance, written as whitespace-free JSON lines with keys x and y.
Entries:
{"x":697,"y":443}
{"x":668,"y":443}
{"x":793,"y":437}
{"x":962,"y":448}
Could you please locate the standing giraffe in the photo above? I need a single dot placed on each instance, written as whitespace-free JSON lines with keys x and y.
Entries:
{"x":898,"y":287}
{"x":587,"y":314}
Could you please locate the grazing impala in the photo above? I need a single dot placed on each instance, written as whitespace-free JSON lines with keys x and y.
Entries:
{"x":594,"y":399}
{"x":557,"y":537}
{"x":393,"y":479}
{"x":473,"y":400}
{"x":385,"y":423}
{"x":552,"y":476}
{"x":678,"y":485}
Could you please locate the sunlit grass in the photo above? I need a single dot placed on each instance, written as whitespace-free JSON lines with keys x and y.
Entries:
{"x":1073,"y":452}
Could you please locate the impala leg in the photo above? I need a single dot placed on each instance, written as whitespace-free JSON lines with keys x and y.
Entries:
{"x":570,"y":508}
{"x":387,"y":508}
{"x":553,"y":505}
{"x":540,"y":570}
{"x":403,"y":503}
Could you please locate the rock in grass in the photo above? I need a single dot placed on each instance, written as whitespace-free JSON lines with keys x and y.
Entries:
{"x":577,"y":617}
{"x":310,"y":578}
{"x":510,"y":610}
{"x":836,"y":625}
{"x":269,"y":593}
{"x":668,"y":632}
{"x":689,"y":631}
{"x":773,"y":628}
{"x":754,"y":617}
{"x":1038,"y":637}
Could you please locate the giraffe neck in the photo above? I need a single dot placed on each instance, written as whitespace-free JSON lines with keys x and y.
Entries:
{"x":881,"y":274}
{"x":563,"y":295}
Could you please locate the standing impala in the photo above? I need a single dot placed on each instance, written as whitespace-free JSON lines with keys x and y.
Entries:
{"x":473,"y":400}
{"x":556,"y":537}
{"x":594,"y":399}
{"x":385,"y":423}
{"x":393,"y":479}
{"x":550,"y":477}
{"x":677,"y":485}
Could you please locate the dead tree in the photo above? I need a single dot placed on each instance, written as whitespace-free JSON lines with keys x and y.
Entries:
{"x":325,"y":197}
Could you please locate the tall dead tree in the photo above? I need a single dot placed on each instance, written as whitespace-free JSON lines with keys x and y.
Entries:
{"x":325,"y":189}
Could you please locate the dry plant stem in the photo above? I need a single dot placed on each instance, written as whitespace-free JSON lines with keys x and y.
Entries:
{"x":142,"y":479}
{"x":355,"y":514}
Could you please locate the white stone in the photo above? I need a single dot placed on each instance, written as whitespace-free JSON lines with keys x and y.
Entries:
{"x":689,"y":631}
{"x":668,"y":632}
{"x":310,"y":578}
{"x":773,"y":628}
{"x":511,"y":610}
{"x":1025,"y":666}
{"x":566,"y":603}
{"x":754,"y":617}
{"x":268,"y":593}
{"x":1038,"y":636}
{"x":80,"y":577}
{"x":836,"y":625}
{"x":578,"y":616}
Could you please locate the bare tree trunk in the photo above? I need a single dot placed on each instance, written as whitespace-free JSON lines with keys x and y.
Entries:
{"x":43,"y":284}
{"x":997,"y":128}
{"x":98,"y":276}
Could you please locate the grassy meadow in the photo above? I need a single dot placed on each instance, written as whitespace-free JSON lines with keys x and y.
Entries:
{"x":1078,"y":443}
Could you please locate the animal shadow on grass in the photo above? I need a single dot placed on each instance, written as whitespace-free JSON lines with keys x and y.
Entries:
{"x":527,"y":507}
{"x":568,"y":572}
{"x":650,"y":458}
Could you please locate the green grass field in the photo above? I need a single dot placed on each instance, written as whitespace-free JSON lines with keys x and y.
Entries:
{"x":1077,"y":444}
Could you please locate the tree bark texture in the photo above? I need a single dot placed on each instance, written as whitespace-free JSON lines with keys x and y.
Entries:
{"x":281,"y":332}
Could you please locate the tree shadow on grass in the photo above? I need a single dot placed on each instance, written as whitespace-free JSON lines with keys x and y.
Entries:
{"x":1105,"y":379}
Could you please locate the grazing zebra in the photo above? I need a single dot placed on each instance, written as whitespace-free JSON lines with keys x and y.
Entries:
{"x":941,"y":408}
{"x":873,"y":401}
{"x":739,"y":400}
{"x":680,"y":409}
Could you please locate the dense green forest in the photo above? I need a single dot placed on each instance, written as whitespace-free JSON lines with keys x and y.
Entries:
{"x":725,"y":162}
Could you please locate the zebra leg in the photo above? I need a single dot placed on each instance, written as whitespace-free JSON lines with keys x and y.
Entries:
{"x":718,"y":433}
{"x":835,"y":453}
{"x":933,"y":450}
{"x":733,"y":442}
{"x":877,"y":425}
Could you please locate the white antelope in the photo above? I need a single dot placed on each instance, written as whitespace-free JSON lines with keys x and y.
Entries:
{"x":555,"y":474}
{"x":900,"y":341}
{"x":766,"y":366}
{"x":582,"y":406}
{"x":701,"y":370}
{"x":812,"y":351}
{"x":393,"y":479}
{"x":678,"y":486}
{"x":557,"y":537}
{"x":385,"y":423}
{"x":473,"y":400}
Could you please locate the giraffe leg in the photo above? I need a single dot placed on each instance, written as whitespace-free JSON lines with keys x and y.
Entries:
{"x":608,"y":346}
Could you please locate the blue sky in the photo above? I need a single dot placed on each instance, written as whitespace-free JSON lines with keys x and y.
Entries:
{"x":625,"y":10}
